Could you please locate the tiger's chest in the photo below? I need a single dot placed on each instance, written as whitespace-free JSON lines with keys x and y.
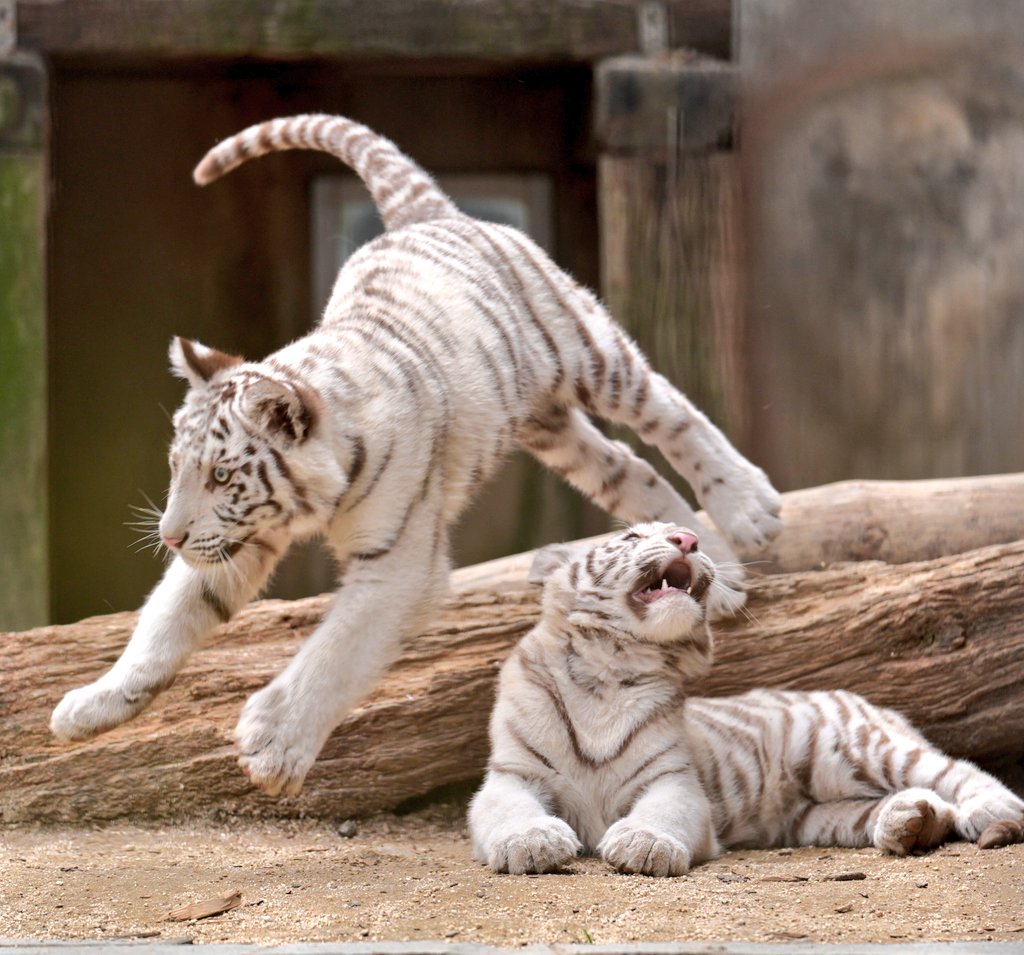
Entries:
{"x":605,"y":737}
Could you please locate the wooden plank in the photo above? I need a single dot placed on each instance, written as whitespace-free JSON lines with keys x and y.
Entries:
{"x":668,"y":201}
{"x":487,"y":29}
{"x":24,"y":569}
{"x":679,"y":102}
{"x":670,"y":272}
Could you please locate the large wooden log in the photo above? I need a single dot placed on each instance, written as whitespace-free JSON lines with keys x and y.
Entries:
{"x":895,"y":521}
{"x":941,"y":639}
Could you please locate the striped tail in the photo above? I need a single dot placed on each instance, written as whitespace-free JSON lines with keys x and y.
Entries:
{"x":402,"y":191}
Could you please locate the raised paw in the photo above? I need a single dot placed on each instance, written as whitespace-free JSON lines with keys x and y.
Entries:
{"x":96,"y":708}
{"x":643,"y":851}
{"x":745,"y":507}
{"x":976,"y":815}
{"x":275,"y":749}
{"x":545,"y":848}
{"x":913,"y":820}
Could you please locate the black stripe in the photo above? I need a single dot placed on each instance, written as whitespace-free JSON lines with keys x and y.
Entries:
{"x":509,"y":268}
{"x":386,"y":549}
{"x":598,"y":363}
{"x":521,"y":740}
{"x":213,"y":601}
{"x":358,"y":459}
{"x":377,"y":475}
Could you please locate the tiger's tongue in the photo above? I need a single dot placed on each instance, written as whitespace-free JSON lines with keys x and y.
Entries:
{"x":657,"y":591}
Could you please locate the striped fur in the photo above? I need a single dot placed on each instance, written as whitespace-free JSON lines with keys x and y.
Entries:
{"x":446,"y":342}
{"x":595,"y":747}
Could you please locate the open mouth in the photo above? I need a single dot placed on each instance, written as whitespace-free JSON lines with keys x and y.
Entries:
{"x":674,"y":579}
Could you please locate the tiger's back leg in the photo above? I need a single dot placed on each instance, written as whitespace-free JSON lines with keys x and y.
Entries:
{"x":930,"y":794}
{"x":615,"y":382}
{"x":626,"y":486}
{"x":598,"y":367}
{"x":980,"y":802}
{"x":736,"y":494}
{"x":899,"y":823}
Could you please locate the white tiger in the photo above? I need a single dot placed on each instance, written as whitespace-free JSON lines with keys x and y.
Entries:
{"x":596,"y":747}
{"x":445,"y":342}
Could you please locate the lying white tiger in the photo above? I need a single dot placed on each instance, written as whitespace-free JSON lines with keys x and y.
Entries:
{"x":596,"y":747}
{"x":445,"y":342}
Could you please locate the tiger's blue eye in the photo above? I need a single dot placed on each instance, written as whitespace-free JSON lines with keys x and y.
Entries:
{"x":221,"y":474}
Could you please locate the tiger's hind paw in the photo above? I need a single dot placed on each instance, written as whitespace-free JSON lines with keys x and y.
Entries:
{"x":913,"y":820}
{"x":975,"y":816}
{"x":999,"y":834}
{"x":746,"y":509}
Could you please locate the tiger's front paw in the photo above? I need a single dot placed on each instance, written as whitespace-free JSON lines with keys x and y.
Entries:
{"x":642,"y":851}
{"x":275,"y":748}
{"x":543,"y":848}
{"x":96,"y":708}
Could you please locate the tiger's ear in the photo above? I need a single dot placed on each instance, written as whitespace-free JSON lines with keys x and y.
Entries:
{"x":289,"y":411}
{"x":547,"y":560}
{"x":196,"y":363}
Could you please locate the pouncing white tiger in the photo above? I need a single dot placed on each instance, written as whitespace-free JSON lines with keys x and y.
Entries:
{"x":596,"y":747}
{"x":446,"y":341}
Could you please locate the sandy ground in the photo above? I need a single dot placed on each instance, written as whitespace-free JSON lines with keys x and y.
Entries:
{"x":413,"y":878}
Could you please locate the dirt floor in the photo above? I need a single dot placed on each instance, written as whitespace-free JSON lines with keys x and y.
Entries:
{"x":413,"y":878}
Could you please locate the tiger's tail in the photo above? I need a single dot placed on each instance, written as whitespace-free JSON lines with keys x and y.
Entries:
{"x":402,"y":191}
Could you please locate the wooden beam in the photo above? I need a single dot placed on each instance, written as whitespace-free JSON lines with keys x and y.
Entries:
{"x":675,"y":103}
{"x":24,"y":567}
{"x":535,"y":30}
{"x":671,"y":258}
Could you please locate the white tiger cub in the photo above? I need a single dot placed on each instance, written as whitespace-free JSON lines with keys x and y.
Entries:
{"x":596,"y":747}
{"x":445,"y":342}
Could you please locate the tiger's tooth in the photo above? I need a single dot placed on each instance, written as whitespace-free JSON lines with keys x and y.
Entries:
{"x":664,"y":583}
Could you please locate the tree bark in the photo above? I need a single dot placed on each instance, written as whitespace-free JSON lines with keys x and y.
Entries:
{"x":940,"y":639}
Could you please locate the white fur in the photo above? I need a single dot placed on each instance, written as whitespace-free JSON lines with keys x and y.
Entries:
{"x":593,"y":747}
{"x":445,"y":343}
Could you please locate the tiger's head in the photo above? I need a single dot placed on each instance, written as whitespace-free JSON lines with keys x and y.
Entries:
{"x":649,"y":583}
{"x":248,"y":457}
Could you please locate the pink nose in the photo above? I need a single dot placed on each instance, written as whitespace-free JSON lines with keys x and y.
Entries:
{"x":686,"y":542}
{"x":173,"y":543}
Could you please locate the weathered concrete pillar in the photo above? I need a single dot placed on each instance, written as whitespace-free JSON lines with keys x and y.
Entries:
{"x":24,"y":571}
